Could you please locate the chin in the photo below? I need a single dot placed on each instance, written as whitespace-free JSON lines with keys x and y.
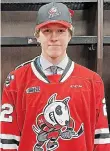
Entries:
{"x":55,"y":55}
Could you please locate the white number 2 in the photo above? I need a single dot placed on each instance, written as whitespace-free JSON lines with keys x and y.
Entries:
{"x":5,"y":114}
{"x":104,"y":107}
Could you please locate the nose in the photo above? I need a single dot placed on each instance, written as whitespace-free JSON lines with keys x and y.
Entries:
{"x":54,"y":36}
{"x":66,"y":122}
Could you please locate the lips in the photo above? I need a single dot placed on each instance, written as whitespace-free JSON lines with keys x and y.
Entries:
{"x":54,"y":45}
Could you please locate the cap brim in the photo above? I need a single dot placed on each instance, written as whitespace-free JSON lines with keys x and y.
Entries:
{"x":66,"y":24}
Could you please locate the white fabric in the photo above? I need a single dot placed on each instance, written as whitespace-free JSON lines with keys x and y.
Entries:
{"x":9,"y":136}
{"x":102,"y":141}
{"x":101,"y":131}
{"x":37,"y":73}
{"x":69,"y":72}
{"x":39,"y":76}
{"x":8,"y":146}
{"x":45,"y":64}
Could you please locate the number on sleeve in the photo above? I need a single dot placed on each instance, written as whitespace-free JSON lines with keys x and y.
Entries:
{"x":6,"y":111}
{"x":104,"y":107}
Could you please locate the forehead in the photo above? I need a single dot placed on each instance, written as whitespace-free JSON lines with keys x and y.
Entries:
{"x":54,"y":25}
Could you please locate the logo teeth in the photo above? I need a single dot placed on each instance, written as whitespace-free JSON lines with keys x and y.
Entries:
{"x":51,"y":115}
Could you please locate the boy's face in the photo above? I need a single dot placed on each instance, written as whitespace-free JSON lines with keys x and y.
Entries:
{"x":54,"y":40}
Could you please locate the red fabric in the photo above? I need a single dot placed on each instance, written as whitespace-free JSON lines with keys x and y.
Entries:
{"x":86,"y":92}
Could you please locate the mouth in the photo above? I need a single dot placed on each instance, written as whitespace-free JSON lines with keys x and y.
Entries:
{"x":52,"y":117}
{"x":54,"y":45}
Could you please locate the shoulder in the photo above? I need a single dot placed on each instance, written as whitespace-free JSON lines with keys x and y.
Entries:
{"x":86,"y":73}
{"x":21,"y":69}
{"x":23,"y":64}
{"x":19,"y":74}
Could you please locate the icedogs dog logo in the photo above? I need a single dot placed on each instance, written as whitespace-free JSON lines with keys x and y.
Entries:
{"x":53,"y":123}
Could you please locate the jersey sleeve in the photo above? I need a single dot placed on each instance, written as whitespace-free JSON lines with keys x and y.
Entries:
{"x":102,"y":135}
{"x":10,"y":134}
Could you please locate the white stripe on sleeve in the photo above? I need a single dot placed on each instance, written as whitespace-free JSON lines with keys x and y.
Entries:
{"x":9,"y":136}
{"x":102,"y":141}
{"x":8,"y":146}
{"x":101,"y":131}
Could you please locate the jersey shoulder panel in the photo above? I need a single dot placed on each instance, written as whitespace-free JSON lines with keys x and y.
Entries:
{"x":20,"y":75}
{"x":23,"y":68}
{"x":23,"y":64}
{"x":20,"y":70}
{"x":86,"y":73}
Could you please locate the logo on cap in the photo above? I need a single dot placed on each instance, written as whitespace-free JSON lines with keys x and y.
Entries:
{"x":53,"y":12}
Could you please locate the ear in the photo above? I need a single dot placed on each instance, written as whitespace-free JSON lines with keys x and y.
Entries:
{"x":52,"y":98}
{"x":36,"y":34}
{"x":65,"y":101}
{"x":70,"y":38}
{"x":38,"y":39}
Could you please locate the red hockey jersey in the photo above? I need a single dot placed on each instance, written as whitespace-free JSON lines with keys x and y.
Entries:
{"x":58,"y":112}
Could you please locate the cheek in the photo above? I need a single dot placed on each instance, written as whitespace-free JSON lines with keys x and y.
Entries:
{"x":43,"y":40}
{"x":65,"y":43}
{"x":65,"y":40}
{"x":44,"y":43}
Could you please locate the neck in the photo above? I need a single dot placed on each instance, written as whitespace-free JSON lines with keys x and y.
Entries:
{"x":54,"y":60}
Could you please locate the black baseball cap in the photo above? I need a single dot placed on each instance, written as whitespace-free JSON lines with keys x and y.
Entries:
{"x":54,"y":13}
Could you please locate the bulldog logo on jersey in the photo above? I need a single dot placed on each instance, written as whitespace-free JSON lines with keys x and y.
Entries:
{"x":53,"y":123}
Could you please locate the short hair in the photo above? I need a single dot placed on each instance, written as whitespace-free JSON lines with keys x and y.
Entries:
{"x":71,"y":30}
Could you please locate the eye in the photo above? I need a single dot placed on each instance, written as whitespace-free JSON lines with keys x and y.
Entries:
{"x":46,"y":30}
{"x":61,"y":30}
{"x":58,"y":110}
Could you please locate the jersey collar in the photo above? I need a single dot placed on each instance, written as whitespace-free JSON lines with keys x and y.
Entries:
{"x":41,"y":76}
{"x":45,"y":64}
